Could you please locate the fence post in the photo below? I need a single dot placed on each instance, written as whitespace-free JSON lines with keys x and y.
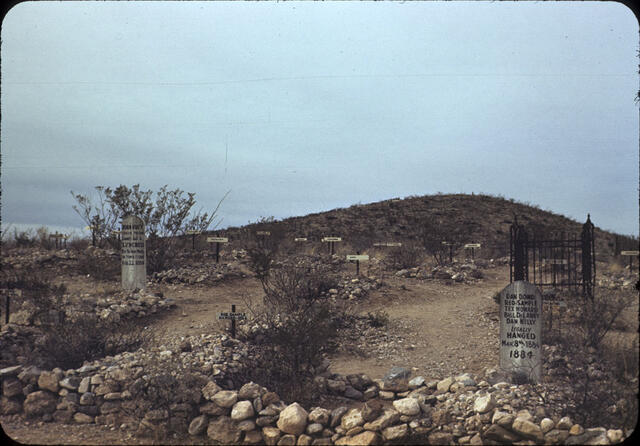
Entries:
{"x":519,"y":252}
{"x":588,"y":258}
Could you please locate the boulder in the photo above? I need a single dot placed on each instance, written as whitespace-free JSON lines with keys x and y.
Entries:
{"x":407,"y":406}
{"x":271,"y":435}
{"x":242,"y":410}
{"x":225,"y":398}
{"x":395,"y":432}
{"x":249,"y":391}
{"x":293,"y":419}
{"x":527,"y":429}
{"x":287,"y":440}
{"x":388,"y":417}
{"x":81,"y":418}
{"x":198,"y":425}
{"x":365,"y":438}
{"x":11,"y":387}
{"x":49,"y":381}
{"x":319,"y":415}
{"x":500,"y":434}
{"x":210,"y":389}
{"x":444,"y":384}
{"x":352,"y":419}
{"x":223,"y":430}
{"x":484,"y":403}
{"x":40,"y":402}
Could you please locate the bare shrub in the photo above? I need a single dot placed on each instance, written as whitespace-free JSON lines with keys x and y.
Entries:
{"x":262,"y":249}
{"x":603,"y":367}
{"x":433,"y":234}
{"x":379,"y":318}
{"x":99,"y":265}
{"x":406,"y":256}
{"x":166,"y":217}
{"x":298,"y":323}
{"x":67,"y":344}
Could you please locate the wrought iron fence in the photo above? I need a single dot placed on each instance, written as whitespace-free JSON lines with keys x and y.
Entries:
{"x":558,"y":260}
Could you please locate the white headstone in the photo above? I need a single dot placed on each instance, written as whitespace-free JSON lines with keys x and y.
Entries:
{"x":521,"y":330}
{"x":133,"y":253}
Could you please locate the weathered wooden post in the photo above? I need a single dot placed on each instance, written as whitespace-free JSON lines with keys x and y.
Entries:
{"x":331,"y":241}
{"x":631,"y":255}
{"x":133,"y":253}
{"x":193,"y":234}
{"x":233,"y":316}
{"x":521,"y":331}
{"x":473,"y":247}
{"x":217,"y":241}
{"x":357,"y":258}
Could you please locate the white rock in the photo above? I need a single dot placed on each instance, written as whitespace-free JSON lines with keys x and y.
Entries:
{"x":242,"y":410}
{"x":293,"y":419}
{"x":407,"y":406}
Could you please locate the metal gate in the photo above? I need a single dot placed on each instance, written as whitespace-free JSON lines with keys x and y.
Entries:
{"x":559,"y":260}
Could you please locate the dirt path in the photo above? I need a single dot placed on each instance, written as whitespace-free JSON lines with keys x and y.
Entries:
{"x":446,"y":329}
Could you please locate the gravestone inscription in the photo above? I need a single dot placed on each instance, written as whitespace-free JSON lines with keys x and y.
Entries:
{"x":521,"y":331}
{"x":133,"y":253}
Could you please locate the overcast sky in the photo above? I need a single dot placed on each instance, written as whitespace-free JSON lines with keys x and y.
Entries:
{"x":300,"y":107}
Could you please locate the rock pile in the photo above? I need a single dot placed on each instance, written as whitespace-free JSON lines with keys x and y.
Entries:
{"x":354,"y":288}
{"x":30,"y":258}
{"x":112,"y":308}
{"x":462,"y":409}
{"x":196,"y":274}
{"x":469,"y":271}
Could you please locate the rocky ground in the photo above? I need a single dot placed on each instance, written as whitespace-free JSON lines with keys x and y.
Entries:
{"x":437,"y":322}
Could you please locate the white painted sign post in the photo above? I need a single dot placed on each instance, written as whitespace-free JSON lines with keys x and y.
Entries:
{"x":521,"y":330}
{"x":217,"y":241}
{"x":133,"y":253}
{"x":472,"y":247}
{"x":631,"y":255}
{"x":389,"y":244}
{"x":331,"y":241}
{"x":358,"y":258}
{"x":233,"y":317}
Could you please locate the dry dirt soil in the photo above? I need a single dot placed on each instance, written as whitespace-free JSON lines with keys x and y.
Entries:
{"x":436,"y":329}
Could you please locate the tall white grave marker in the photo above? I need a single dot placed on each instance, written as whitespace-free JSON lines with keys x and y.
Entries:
{"x":133,"y":253}
{"x":521,"y":330}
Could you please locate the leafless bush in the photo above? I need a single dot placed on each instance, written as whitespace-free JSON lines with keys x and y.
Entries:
{"x":67,"y":344}
{"x":602,"y":369}
{"x":263,"y":246}
{"x":166,"y":217}
{"x":406,"y":256}
{"x":99,"y":265}
{"x":298,"y":322}
{"x":433,"y":234}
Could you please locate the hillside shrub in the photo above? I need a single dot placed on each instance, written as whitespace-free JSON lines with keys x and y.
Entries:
{"x":298,"y":323}
{"x":604,"y":365}
{"x":406,"y":256}
{"x":262,"y":250}
{"x":167,"y":216}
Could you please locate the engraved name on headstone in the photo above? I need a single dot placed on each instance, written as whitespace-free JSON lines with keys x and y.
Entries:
{"x":133,"y":253}
{"x":521,"y":330}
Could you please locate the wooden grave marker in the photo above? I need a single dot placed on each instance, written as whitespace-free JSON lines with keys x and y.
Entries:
{"x":233,"y":317}
{"x":217,"y":241}
{"x":331,"y":241}
{"x":357,"y":258}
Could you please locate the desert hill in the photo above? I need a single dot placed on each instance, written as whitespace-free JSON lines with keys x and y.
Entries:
{"x":472,"y":218}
